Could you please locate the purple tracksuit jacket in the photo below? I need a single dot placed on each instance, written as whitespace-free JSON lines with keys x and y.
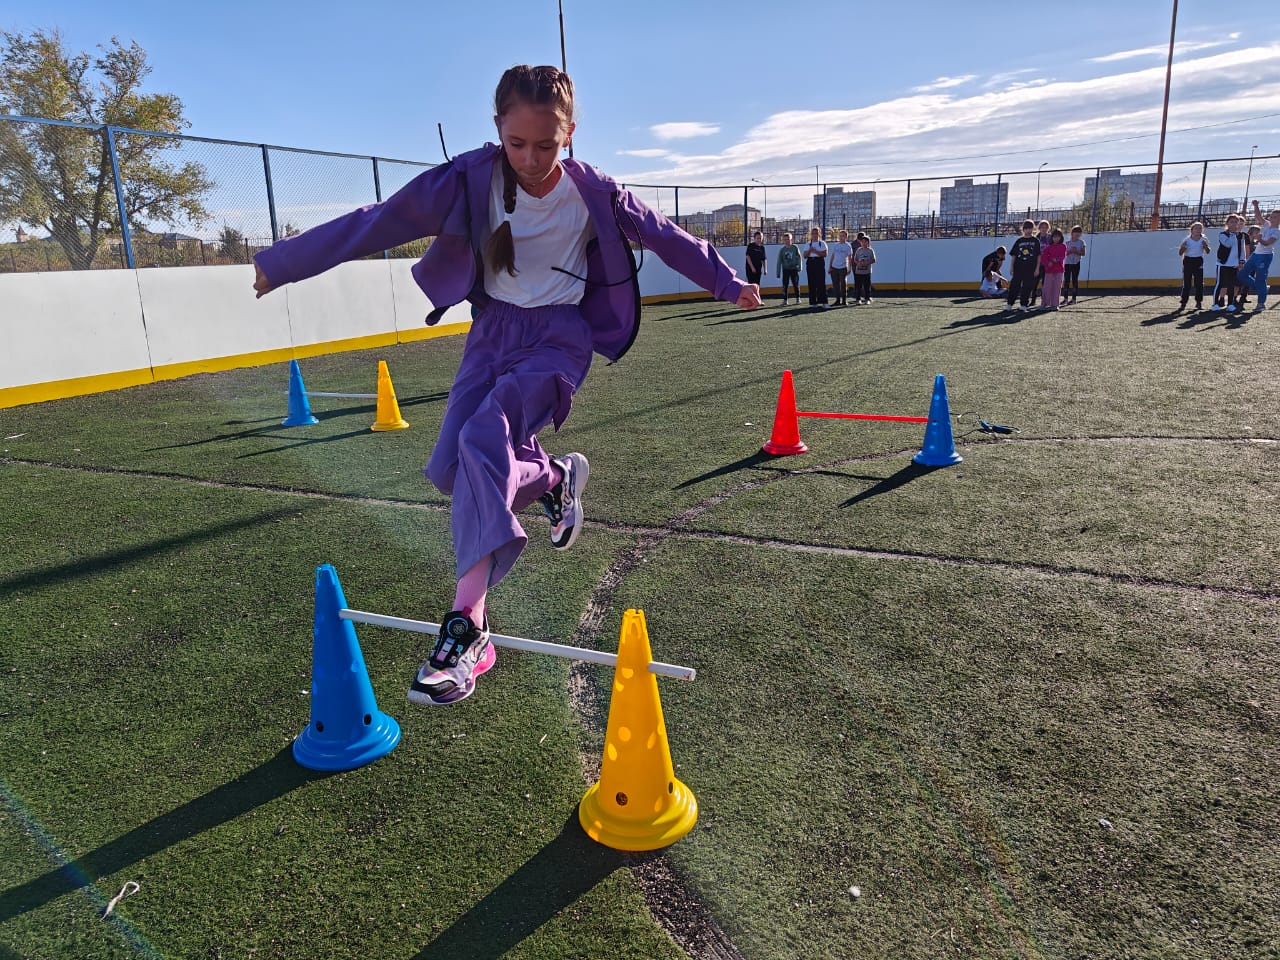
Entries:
{"x":520,"y":367}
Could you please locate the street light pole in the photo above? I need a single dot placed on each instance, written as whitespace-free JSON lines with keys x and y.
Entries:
{"x":1164,"y":120}
{"x":1248,"y":179}
{"x":1042,"y":166}
{"x":764,"y":207}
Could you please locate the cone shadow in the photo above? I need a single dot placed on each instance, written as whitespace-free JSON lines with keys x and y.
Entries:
{"x":556,"y":876}
{"x":900,"y":479}
{"x":264,"y":783}
{"x":745,"y":463}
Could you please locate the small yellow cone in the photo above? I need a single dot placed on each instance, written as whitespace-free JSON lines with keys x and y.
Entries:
{"x":388,"y":410}
{"x":638,"y":804}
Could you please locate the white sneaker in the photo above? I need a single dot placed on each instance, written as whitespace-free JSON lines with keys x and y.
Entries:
{"x":563,"y":502}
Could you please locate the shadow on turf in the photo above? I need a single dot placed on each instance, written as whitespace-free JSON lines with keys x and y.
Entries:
{"x":556,"y":876}
{"x":115,"y":559}
{"x":276,"y":428}
{"x":754,"y":460}
{"x":900,"y":479}
{"x":1006,"y":315}
{"x":274,"y":778}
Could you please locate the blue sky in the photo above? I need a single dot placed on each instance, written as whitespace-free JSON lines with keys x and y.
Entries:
{"x":701,"y":93}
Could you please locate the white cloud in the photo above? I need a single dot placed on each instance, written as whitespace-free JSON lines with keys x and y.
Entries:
{"x":1000,"y":79}
{"x":991,"y":128}
{"x":1162,"y":50}
{"x":649,"y":153}
{"x":943,"y":83}
{"x":683,"y":130}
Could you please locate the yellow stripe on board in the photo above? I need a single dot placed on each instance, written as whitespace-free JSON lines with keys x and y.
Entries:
{"x":77,"y":386}
{"x":103,"y":382}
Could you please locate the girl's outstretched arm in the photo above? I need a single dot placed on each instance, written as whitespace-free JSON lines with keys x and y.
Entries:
{"x":416,"y":211}
{"x":695,"y":258}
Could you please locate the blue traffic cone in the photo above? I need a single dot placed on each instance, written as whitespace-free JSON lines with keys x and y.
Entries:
{"x":347,"y":730}
{"x":299,"y":406}
{"x":939,"y":448}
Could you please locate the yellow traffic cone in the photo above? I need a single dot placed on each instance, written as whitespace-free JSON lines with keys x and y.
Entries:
{"x":638,"y":804}
{"x":388,"y":410}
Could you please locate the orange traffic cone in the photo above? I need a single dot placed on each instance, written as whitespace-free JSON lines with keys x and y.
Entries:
{"x":388,"y":410}
{"x":786,"y":427}
{"x":637,"y":804}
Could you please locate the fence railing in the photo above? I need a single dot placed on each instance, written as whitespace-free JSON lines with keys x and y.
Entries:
{"x":78,"y":196}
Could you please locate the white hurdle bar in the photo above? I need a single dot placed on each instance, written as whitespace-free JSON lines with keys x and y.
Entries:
{"x":344,"y":396}
{"x":519,"y":643}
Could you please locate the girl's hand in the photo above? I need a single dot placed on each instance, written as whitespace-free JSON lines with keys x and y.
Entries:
{"x":749,"y":299}
{"x":260,"y":283}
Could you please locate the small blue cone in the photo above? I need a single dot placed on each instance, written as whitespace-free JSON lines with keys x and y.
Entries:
{"x":939,"y":448}
{"x":347,"y":730}
{"x":299,"y":406}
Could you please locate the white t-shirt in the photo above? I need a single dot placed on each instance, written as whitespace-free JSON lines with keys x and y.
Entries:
{"x":840,"y":254}
{"x":816,"y":248}
{"x":550,"y":231}
{"x":1268,"y":233}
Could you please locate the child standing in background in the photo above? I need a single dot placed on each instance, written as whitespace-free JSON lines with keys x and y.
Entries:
{"x":1042,"y":235}
{"x":1071,"y":266}
{"x":788,"y":267}
{"x":1192,"y":250}
{"x":1257,"y":268}
{"x":1025,"y":254}
{"x":840,"y":253}
{"x":1230,"y":256}
{"x":757,"y":261}
{"x":1250,"y":239}
{"x":541,"y":247}
{"x":863,"y":259}
{"x":815,"y":265}
{"x":1052,"y":263}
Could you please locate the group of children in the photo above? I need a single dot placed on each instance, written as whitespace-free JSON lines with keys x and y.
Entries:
{"x":845,"y":259}
{"x":1045,"y":264}
{"x":1047,"y":261}
{"x":1243,"y":260}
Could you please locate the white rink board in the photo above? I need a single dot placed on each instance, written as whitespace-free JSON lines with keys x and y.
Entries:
{"x":66,"y":324}
{"x":201,"y":313}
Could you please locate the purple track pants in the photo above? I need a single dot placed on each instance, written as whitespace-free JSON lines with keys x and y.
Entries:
{"x":520,"y":369}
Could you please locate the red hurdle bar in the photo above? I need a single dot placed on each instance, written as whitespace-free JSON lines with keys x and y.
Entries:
{"x":861,"y":416}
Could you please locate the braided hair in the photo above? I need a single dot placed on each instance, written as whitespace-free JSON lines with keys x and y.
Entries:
{"x":539,"y":87}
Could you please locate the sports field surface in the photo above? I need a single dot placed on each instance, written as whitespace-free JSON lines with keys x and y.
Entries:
{"x":1026,"y":706}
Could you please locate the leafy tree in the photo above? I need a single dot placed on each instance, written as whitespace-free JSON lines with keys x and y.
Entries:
{"x":60,"y":178}
{"x":1113,"y":211}
{"x":233,"y":245}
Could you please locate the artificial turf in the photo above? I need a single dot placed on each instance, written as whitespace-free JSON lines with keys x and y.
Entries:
{"x":1025,"y":705}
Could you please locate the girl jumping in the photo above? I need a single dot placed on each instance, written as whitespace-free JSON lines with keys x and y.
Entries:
{"x":541,"y":247}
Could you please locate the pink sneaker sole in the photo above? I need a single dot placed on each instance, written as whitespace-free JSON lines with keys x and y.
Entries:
{"x":483,"y":666}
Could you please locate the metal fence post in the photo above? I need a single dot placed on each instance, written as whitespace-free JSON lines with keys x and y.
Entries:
{"x":125,"y":237}
{"x":1204,"y":175}
{"x":1093,"y":215}
{"x":271,"y":194}
{"x":906,"y":216}
{"x":995,"y":223}
{"x":745,"y":228}
{"x":377,"y":195}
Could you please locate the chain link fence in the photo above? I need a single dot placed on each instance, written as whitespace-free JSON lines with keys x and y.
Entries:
{"x":79,"y":197}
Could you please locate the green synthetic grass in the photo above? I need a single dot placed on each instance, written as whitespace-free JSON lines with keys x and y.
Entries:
{"x":1025,"y":704}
